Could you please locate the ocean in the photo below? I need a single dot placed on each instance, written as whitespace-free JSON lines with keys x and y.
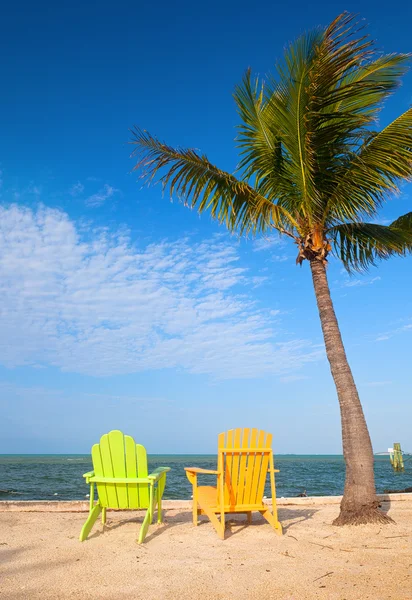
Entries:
{"x":59,"y":476}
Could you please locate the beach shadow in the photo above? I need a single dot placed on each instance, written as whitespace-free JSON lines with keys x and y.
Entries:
{"x":170,"y":521}
{"x":234,"y":524}
{"x":155,"y":529}
{"x":10,"y":569}
{"x":385,"y":503}
{"x":6,"y":556}
{"x":297,"y":514}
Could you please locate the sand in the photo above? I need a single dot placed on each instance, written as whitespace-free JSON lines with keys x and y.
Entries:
{"x":41,"y":557}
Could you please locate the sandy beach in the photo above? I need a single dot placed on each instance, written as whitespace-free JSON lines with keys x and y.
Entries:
{"x":41,"y":557}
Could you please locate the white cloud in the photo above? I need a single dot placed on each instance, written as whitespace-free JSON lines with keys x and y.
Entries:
{"x":106,"y":192}
{"x":266,"y":243}
{"x":389,"y":334}
{"x":36,"y":190}
{"x":259,"y":280}
{"x":360,"y":282}
{"x":102,"y":306}
{"x":279,"y":258}
{"x":77,"y":189}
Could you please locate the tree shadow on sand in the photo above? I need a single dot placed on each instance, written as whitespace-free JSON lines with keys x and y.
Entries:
{"x":384,"y":503}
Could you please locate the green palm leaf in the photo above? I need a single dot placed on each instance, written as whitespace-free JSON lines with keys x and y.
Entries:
{"x":404,"y":222}
{"x":359,"y":245}
{"x":381,"y":162}
{"x":205,"y":187}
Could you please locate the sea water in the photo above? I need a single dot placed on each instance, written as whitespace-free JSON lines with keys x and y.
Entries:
{"x":59,"y":476}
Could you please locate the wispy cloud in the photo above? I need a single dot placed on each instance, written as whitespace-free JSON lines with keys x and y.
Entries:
{"x":36,"y":190}
{"x":106,"y":192}
{"x":77,"y":189}
{"x":279,"y":258}
{"x":360,"y":282}
{"x":391,"y":333}
{"x":103,"y":306}
{"x":259,"y":280}
{"x":265,"y":243}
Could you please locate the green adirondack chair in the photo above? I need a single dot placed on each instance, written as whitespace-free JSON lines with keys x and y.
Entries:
{"x":122,"y":480}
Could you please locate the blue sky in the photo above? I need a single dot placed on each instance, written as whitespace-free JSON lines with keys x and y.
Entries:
{"x":123,"y":310}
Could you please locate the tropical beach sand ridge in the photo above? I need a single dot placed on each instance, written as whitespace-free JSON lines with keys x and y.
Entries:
{"x":41,"y":557}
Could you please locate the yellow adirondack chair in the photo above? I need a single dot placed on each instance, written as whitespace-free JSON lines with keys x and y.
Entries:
{"x":244,"y":460}
{"x":122,"y":480}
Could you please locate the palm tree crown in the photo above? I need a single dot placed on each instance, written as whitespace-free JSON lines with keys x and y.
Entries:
{"x":312,"y":166}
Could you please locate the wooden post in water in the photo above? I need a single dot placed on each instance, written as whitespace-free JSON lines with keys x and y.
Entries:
{"x":397,"y":458}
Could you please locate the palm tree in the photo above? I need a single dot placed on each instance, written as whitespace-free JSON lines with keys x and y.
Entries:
{"x":314,"y":169}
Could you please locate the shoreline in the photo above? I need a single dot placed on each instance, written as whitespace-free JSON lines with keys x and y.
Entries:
{"x":83,"y":505}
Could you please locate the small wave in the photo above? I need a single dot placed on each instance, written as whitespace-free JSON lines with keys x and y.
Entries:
{"x":14,"y":492}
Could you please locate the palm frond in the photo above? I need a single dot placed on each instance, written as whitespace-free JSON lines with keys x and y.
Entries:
{"x":374,"y":171}
{"x":300,"y":131}
{"x":359,"y":245}
{"x":365,"y":88}
{"x":263,"y":159}
{"x":200,"y":184}
{"x":404,"y":222}
{"x":348,"y":85}
{"x":288,"y":102}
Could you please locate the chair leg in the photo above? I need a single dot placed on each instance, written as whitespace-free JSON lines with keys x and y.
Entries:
{"x":195,"y":511}
{"x":159,"y":506}
{"x":195,"y":515}
{"x":266,"y":514}
{"x":218,"y":525}
{"x":104,"y":516}
{"x":145,"y":526}
{"x":249,"y":517}
{"x":148,"y":518}
{"x":91,"y":519}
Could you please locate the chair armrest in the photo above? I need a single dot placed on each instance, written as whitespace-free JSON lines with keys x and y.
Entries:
{"x":121,"y":480}
{"x":201,"y":471}
{"x":88,"y":475}
{"x":158,"y":473}
{"x":273,"y":471}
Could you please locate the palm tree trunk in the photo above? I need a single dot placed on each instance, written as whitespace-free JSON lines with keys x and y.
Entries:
{"x":359,"y":503}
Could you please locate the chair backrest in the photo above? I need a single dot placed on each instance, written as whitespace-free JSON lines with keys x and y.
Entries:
{"x":244,"y":456}
{"x":117,"y":455}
